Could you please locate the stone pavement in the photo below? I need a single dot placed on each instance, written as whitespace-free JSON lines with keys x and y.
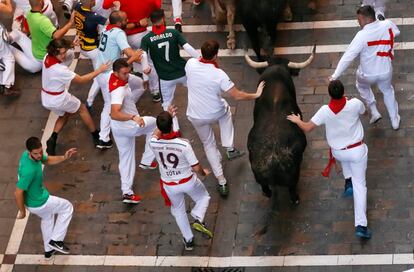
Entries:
{"x":323,"y":222}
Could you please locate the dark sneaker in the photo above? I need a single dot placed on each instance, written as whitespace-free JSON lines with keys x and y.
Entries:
{"x":231,"y":155}
{"x":51,"y":146}
{"x":348,"y":191}
{"x":131,"y":199}
{"x":380,"y":17}
{"x":49,"y":254}
{"x":105,"y":145}
{"x":188,"y":245}
{"x":59,"y":246}
{"x":178,"y":27}
{"x":156,"y":97}
{"x":66,"y":11}
{"x":201,"y":227}
{"x":11,"y":92}
{"x":153,"y":166}
{"x":363,"y":232}
{"x":223,"y":189}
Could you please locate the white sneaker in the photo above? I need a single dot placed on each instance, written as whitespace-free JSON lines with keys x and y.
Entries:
{"x":396,"y":124}
{"x":375,"y":118}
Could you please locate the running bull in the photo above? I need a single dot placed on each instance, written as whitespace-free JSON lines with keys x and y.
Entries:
{"x":276,"y":145}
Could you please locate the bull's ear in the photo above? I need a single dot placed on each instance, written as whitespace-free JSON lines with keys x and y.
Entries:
{"x":294,"y":71}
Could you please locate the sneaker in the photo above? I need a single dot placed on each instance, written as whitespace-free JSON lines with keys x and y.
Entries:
{"x":49,"y":254}
{"x":5,"y":34}
{"x":178,"y":25}
{"x":363,"y":232}
{"x":395,"y":125}
{"x":11,"y":92}
{"x":196,"y":2}
{"x":375,"y":118}
{"x":188,"y":245}
{"x":223,"y":189}
{"x":348,"y":191}
{"x":153,"y":166}
{"x":231,"y":155}
{"x":95,"y":138}
{"x":59,"y":246}
{"x":380,"y":17}
{"x":156,"y":97}
{"x":2,"y":66}
{"x":201,"y":227}
{"x":51,"y":146}
{"x":66,"y":11}
{"x":132,"y":199}
{"x":104,"y":145}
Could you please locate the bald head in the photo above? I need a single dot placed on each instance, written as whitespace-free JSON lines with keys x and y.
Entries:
{"x":35,"y":4}
{"x":116,"y":17}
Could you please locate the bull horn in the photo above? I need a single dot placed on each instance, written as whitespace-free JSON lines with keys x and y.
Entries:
{"x":300,"y":65}
{"x":255,"y":64}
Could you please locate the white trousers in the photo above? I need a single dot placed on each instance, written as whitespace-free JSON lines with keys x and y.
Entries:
{"x":177,"y":7}
{"x":205,"y":131}
{"x":25,"y":58}
{"x":167,"y":89}
{"x":94,"y":90}
{"x":135,"y":42}
{"x":134,"y":82}
{"x":7,"y":76}
{"x":378,"y":5}
{"x":124,"y":134}
{"x":198,"y":193}
{"x":363,"y":84}
{"x":354,"y":165}
{"x":52,"y":230}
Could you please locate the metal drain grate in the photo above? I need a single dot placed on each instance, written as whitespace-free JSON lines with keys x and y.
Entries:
{"x":209,"y":269}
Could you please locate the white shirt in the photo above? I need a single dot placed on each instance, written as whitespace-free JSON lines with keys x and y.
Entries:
{"x":111,"y":45}
{"x":370,"y":63}
{"x":175,"y":158}
{"x":122,"y":95}
{"x":56,"y":79}
{"x":205,"y":83}
{"x":342,"y":129}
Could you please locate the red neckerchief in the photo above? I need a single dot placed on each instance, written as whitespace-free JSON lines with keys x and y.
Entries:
{"x":209,"y":62}
{"x":109,"y":27}
{"x":159,"y":29}
{"x":171,"y":135}
{"x":115,"y":82}
{"x":336,"y":105}
{"x":51,"y":60}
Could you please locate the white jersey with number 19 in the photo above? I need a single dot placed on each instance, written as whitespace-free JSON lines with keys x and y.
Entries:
{"x":175,"y":158}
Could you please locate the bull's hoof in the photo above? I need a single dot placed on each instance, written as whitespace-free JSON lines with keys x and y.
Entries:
{"x":231,"y":44}
{"x":267,"y":194}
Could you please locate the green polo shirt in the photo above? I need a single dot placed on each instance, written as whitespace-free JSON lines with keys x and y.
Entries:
{"x":30,"y":180}
{"x":41,"y":31}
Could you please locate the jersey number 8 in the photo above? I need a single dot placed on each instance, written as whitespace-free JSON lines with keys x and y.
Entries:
{"x":171,"y":158}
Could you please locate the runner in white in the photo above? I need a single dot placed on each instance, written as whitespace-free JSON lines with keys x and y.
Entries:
{"x":178,"y":169}
{"x":374,"y":46}
{"x":112,"y":45}
{"x":22,"y":7}
{"x":32,"y":194}
{"x":206,"y":82}
{"x":345,"y":134}
{"x":56,"y":79}
{"x":7,"y":61}
{"x":127,"y":124}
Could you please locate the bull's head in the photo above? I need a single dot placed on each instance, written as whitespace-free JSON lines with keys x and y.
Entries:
{"x":293,"y":67}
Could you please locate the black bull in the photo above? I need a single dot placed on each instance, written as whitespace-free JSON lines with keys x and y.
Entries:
{"x":275,"y":144}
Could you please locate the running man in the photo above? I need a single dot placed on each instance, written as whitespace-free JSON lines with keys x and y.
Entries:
{"x":178,"y":169}
{"x":163,"y":45}
{"x":32,"y":194}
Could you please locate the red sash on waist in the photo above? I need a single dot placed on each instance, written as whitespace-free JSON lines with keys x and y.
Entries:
{"x":52,"y":93}
{"x":172,"y":183}
{"x":332,"y":160}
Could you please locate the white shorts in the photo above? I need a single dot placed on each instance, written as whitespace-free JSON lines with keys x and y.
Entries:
{"x":70,"y":104}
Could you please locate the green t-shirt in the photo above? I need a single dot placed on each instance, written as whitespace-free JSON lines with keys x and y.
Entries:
{"x":165,"y":53}
{"x":41,"y":31}
{"x":31,"y":181}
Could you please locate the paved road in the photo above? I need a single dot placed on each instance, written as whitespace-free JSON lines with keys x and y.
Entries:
{"x":321,"y":225}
